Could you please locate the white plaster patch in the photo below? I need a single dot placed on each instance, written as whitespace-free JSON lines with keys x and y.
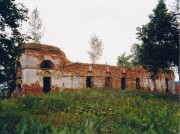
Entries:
{"x":151,"y":85}
{"x":47,"y":57}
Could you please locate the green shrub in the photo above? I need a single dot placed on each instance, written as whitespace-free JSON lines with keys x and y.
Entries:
{"x":35,"y":127}
{"x":91,"y":111}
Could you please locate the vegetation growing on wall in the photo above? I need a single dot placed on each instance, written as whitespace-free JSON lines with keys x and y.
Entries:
{"x":36,"y":29}
{"x":96,"y":46}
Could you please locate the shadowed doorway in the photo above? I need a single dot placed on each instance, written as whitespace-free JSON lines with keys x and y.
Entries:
{"x":167,"y":85}
{"x":137,"y":83}
{"x":46,"y":84}
{"x":46,"y":81}
{"x":123,"y":83}
{"x":89,"y":81}
{"x":46,"y":65}
{"x":108,"y":82}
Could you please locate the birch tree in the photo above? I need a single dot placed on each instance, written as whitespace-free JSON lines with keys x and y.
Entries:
{"x":36,"y":29}
{"x":96,"y":47}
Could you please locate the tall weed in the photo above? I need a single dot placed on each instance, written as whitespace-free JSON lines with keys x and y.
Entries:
{"x":91,"y":111}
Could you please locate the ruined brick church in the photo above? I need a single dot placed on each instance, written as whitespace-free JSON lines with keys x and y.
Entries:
{"x":43,"y":68}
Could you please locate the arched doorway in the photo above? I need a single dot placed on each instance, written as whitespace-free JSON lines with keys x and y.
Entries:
{"x":46,"y":64}
{"x":46,"y":82}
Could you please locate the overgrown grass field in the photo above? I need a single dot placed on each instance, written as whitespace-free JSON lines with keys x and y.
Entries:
{"x":98,"y":111}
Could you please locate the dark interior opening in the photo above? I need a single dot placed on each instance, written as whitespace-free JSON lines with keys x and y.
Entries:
{"x":89,"y":81}
{"x":46,"y":84}
{"x":167,"y":85}
{"x":18,"y":66}
{"x":108,"y":82}
{"x":137,"y":83}
{"x":123,"y":83}
{"x":47,"y":64}
{"x":19,"y":87}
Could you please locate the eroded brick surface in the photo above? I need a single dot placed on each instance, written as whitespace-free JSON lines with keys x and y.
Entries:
{"x":177,"y":88}
{"x":63,"y":74}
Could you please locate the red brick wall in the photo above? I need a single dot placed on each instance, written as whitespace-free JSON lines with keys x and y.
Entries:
{"x":82,"y":70}
{"x":177,"y":88}
{"x":116,"y":72}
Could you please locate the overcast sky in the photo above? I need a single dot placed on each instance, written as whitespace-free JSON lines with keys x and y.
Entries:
{"x":69,"y":25}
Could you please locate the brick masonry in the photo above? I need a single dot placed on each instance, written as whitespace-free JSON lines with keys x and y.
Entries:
{"x":44,"y":68}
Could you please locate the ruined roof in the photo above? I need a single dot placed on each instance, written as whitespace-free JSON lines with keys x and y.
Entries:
{"x":92,"y":64}
{"x":40,"y":47}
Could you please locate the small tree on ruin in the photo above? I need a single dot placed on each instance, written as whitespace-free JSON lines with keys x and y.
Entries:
{"x":124,"y":60}
{"x":36,"y":29}
{"x":96,"y":48}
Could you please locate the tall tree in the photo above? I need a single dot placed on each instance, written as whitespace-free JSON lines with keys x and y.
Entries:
{"x":96,"y":48}
{"x":11,"y":16}
{"x":135,"y":50}
{"x":36,"y":29}
{"x":124,"y":60}
{"x":177,"y":13}
{"x":160,"y":40}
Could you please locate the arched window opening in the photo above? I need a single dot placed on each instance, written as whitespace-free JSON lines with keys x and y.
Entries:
{"x":47,"y":64}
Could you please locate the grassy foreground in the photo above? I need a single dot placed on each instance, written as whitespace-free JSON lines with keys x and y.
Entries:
{"x":91,"y":111}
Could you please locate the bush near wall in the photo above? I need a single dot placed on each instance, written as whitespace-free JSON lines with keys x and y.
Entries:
{"x":86,"y":111}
